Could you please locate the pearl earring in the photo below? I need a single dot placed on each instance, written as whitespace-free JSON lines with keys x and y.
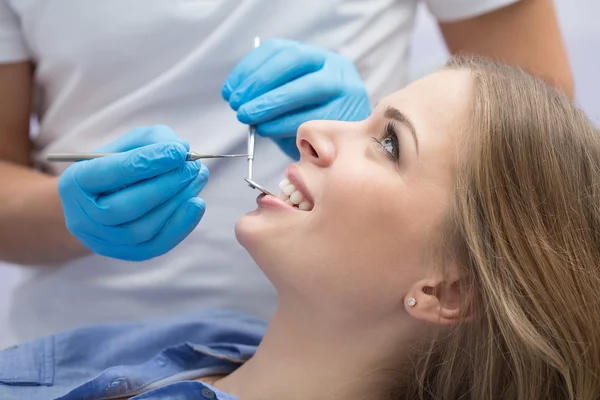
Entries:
{"x":411,"y":301}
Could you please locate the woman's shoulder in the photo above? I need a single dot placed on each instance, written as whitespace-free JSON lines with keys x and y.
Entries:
{"x":200,"y":327}
{"x":60,"y":362}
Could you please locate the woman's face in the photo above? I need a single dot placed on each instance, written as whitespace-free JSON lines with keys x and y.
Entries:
{"x":376,"y":192}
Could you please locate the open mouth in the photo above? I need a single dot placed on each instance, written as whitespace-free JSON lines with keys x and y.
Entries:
{"x":293,"y":196}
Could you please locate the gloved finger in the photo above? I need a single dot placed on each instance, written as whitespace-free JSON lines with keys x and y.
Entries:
{"x":254,"y":60}
{"x":308,"y":91}
{"x":117,"y":171}
{"x":179,"y":226}
{"x":285,"y":66}
{"x":134,"y":201}
{"x":286,"y":126}
{"x":150,"y":224}
{"x":143,"y":136}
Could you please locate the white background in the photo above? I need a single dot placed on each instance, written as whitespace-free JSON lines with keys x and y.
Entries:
{"x":581,"y":31}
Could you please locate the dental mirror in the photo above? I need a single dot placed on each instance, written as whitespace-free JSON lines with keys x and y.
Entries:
{"x":251,"y":146}
{"x":255,"y":185}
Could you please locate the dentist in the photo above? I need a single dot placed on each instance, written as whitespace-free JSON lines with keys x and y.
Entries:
{"x":144,"y":233}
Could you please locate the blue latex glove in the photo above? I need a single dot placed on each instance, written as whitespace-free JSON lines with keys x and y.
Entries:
{"x":282,"y":84}
{"x":137,"y":204}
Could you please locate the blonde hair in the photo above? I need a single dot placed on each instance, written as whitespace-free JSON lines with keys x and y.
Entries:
{"x":525,"y":232}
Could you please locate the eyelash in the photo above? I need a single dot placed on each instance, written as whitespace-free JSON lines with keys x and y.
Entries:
{"x":389,"y":134}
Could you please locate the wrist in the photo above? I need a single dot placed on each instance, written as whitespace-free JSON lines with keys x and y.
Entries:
{"x":41,"y":206}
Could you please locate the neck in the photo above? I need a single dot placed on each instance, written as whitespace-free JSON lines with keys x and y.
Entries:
{"x":301,"y":357}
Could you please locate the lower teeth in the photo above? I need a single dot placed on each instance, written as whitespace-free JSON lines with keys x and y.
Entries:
{"x":306,"y":206}
{"x":286,"y":200}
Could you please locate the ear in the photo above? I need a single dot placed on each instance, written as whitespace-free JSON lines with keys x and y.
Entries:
{"x":439,"y":299}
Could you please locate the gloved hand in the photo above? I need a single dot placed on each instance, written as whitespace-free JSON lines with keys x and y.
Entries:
{"x":137,"y":204}
{"x":282,"y":84}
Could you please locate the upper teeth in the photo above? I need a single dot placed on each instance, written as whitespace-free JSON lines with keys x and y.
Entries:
{"x":293,"y":197}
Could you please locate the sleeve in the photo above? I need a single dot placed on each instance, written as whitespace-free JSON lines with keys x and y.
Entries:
{"x":456,"y":10}
{"x":12,"y":43}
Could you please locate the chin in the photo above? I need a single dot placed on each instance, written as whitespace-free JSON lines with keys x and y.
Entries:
{"x":255,"y":232}
{"x":264,"y":240}
{"x":261,"y":228}
{"x":248,"y":230}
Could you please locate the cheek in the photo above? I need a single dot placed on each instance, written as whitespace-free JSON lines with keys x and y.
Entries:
{"x":372,"y":229}
{"x":360,"y":206}
{"x":363,"y":234}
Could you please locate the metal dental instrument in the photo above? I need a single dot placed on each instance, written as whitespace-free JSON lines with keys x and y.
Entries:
{"x":251,"y":146}
{"x":251,"y":136}
{"x":255,"y":185}
{"x":75,"y":157}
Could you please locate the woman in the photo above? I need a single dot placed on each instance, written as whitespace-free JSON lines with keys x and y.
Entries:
{"x":445,"y":248}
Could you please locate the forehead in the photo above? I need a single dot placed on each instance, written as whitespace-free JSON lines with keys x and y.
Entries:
{"x":438,"y":101}
{"x":438,"y":107}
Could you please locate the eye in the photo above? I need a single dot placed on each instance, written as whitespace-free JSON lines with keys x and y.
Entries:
{"x":389,"y":142}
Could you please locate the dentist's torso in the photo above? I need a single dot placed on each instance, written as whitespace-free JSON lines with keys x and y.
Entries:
{"x":105,"y":67}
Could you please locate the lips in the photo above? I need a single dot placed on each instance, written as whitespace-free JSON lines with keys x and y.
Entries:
{"x":269,"y":201}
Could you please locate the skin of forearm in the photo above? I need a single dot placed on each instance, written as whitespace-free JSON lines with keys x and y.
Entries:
{"x":32,"y":224}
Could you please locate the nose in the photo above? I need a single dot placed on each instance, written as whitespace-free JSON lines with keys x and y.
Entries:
{"x":316,"y":142}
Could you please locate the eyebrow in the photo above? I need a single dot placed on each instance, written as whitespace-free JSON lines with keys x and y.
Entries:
{"x":395,"y":114}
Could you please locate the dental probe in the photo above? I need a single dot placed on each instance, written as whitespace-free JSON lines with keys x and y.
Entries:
{"x":251,"y":136}
{"x":75,"y":157}
{"x":251,"y":146}
{"x":252,"y":133}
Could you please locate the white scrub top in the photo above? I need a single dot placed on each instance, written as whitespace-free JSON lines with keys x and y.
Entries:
{"x":105,"y":67}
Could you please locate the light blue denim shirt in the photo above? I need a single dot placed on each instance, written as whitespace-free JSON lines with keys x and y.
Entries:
{"x":156,"y":359}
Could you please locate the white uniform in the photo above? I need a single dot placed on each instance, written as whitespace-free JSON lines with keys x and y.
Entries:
{"x":105,"y":67}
